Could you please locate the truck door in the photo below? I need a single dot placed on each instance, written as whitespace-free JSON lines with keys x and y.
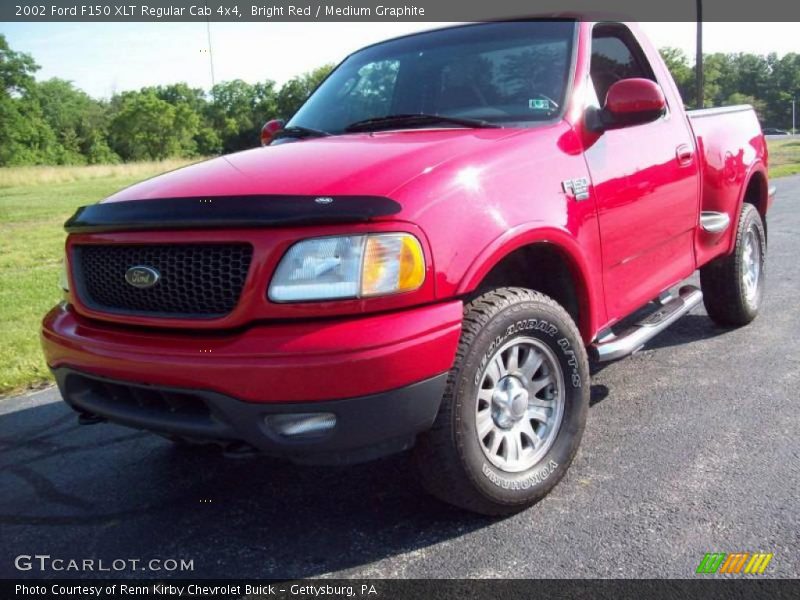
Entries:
{"x":646,"y":184}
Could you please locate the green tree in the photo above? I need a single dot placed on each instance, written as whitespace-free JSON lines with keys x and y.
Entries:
{"x":682,"y":72}
{"x":207,"y":140}
{"x":766,"y":82}
{"x":25,"y":137}
{"x":78,"y":121}
{"x":180,"y":93}
{"x":53,"y":122}
{"x":16,"y":69}
{"x":295,"y":91}
{"x":238,"y":110}
{"x":145,"y":127}
{"x":785,"y":86}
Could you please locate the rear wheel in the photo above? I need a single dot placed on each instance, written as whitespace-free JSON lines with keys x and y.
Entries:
{"x":733,"y":285}
{"x":514,"y":408}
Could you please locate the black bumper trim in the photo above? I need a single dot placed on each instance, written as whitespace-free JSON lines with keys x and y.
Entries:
{"x":367,"y":427}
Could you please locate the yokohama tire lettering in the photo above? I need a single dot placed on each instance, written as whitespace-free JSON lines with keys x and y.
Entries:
{"x":522,"y":484}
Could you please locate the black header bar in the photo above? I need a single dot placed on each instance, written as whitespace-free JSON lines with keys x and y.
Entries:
{"x":391,"y":10}
{"x":411,"y":589}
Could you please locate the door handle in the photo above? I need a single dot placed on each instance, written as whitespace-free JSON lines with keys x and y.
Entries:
{"x":684,"y":154}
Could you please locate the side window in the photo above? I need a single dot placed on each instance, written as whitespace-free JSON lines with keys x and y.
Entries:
{"x":616,"y":55}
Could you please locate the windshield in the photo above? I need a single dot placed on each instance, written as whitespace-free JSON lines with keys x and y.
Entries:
{"x":512,"y":73}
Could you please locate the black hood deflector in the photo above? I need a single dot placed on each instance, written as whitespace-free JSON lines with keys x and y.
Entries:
{"x":228,"y":212}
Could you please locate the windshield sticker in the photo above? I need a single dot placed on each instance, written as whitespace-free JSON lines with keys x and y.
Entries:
{"x":538,"y":104}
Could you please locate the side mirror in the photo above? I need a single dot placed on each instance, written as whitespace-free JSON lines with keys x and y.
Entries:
{"x":269,"y":130}
{"x":630,"y":102}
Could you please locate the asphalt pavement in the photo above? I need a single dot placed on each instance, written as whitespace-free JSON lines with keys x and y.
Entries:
{"x":691,"y":446}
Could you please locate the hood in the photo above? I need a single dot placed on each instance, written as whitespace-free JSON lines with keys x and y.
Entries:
{"x":354,"y":164}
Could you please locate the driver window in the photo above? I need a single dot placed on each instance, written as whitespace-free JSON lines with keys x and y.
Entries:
{"x":615,"y":56}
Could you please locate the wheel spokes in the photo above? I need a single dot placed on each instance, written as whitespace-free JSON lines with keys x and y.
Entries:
{"x":512,"y":364}
{"x":533,"y":360}
{"x":519,"y":404}
{"x":512,"y":447}
{"x":497,"y":439}
{"x":526,"y":429}
{"x":537,"y":385}
{"x":486,"y":395}
{"x":538,"y":413}
{"x":751,"y":263}
{"x":485,"y":423}
{"x":496,"y":369}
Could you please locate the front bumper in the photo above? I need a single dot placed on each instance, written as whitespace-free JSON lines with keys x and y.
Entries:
{"x":382,"y":376}
{"x":366,"y":427}
{"x":292,"y":361}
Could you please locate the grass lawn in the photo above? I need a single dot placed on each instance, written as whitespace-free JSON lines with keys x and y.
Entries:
{"x":784,"y":157}
{"x":35,"y":202}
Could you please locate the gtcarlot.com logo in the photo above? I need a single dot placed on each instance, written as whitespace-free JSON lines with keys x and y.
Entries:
{"x":45,"y":562}
{"x":754,"y":563}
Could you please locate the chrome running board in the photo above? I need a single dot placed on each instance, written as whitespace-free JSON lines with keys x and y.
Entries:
{"x":611,"y":346}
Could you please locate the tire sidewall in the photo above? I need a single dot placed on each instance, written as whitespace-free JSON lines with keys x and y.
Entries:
{"x":523,"y":319}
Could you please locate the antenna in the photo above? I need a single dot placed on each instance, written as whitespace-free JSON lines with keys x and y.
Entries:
{"x":210,"y":55}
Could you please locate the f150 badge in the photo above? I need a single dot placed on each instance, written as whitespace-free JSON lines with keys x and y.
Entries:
{"x":577,"y":188}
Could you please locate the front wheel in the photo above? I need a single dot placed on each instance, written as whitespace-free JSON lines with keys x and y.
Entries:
{"x":514,"y":407}
{"x":733,"y":285}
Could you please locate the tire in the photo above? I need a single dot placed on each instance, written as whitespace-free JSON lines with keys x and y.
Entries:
{"x":469,"y":469}
{"x":733,"y":285}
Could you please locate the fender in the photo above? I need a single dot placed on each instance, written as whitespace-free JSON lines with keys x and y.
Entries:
{"x":756,"y":167}
{"x":709,"y":247}
{"x":534,"y":233}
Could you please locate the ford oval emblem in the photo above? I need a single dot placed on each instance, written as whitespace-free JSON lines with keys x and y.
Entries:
{"x":142,"y":277}
{"x":323,"y":200}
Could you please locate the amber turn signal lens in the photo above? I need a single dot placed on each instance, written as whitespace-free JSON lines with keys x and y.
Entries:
{"x":393,"y":263}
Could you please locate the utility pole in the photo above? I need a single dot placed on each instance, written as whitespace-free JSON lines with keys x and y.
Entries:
{"x":698,"y":61}
{"x":794,"y":129}
{"x":210,"y":56}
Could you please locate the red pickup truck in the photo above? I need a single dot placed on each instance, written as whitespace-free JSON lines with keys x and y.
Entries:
{"x":428,"y":254}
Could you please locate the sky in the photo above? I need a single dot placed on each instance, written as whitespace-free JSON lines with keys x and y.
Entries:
{"x":106,"y":58}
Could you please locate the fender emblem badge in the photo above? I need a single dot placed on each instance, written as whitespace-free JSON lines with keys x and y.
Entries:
{"x":577,"y":188}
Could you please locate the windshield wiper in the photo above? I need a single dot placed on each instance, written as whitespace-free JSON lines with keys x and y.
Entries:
{"x":299,"y":132}
{"x":413,"y":119}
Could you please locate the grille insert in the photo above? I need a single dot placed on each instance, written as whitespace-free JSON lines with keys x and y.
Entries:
{"x":171,"y":411}
{"x":196,"y":280}
{"x":142,"y":399}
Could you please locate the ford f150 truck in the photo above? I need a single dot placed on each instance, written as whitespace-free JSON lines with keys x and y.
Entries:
{"x":426,"y":255}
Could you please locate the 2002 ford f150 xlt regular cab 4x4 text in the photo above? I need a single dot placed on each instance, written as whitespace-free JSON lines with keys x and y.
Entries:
{"x":426,"y":255}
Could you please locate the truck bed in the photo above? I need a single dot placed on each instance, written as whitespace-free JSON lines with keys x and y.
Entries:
{"x":729,"y":147}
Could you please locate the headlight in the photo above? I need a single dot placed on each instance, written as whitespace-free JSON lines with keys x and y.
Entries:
{"x":63,"y":278}
{"x":355,"y":266}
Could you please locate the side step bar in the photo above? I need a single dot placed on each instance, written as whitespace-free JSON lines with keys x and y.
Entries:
{"x":612,"y":347}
